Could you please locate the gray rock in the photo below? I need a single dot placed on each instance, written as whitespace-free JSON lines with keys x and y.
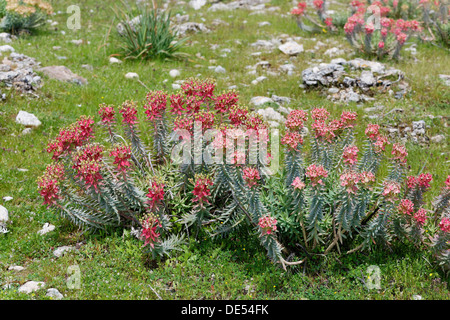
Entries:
{"x":438,"y":138}
{"x":291,"y":48}
{"x":174,"y":73}
{"x":197,"y":4}
{"x":16,"y":268}
{"x":114,"y":60}
{"x":7,"y":198}
{"x":46,"y":228}
{"x":219,"y":69}
{"x":4,"y":217}
{"x":54,"y":294}
{"x":63,"y":73}
{"x":27,"y":119}
{"x":189,"y":28}
{"x":6,"y":48}
{"x":5,"y":37}
{"x":269,"y":114}
{"x":59,"y":252}
{"x":281,"y":100}
{"x":367,"y":79}
{"x":259,"y":101}
{"x":445,"y":78}
{"x":31,"y":286}
{"x":132,"y":75}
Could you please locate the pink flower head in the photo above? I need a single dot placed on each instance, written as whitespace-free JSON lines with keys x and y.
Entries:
{"x":420,"y":216}
{"x":298,"y":184}
{"x":348,"y":119}
{"x":201,"y":189}
{"x":155,"y":194}
{"x":225,"y":101}
{"x":203,"y":89}
{"x":399,"y":152}
{"x":384,"y":32}
{"x":350,"y":155}
{"x":381,"y":45}
{"x":193,"y":104}
{"x":401,"y":38}
{"x":301,"y":5}
{"x":316,"y":174}
{"x":369,"y":28}
{"x":49,"y":183}
{"x":91,"y":152}
{"x":205,"y":118}
{"x":406,"y":206}
{"x":106,"y":113}
{"x":349,"y":27}
{"x":380,"y":144}
{"x":251,"y":176}
{"x":267,"y":224}
{"x":372,"y":131}
{"x":89,"y":173}
{"x":128,"y":111}
{"x":238,"y":115}
{"x":49,"y":190}
{"x":155,"y":105}
{"x":292,"y":140}
{"x":318,"y":4}
{"x":296,"y":119}
{"x":320,"y":114}
{"x":149,"y":230}
{"x":70,"y":137}
{"x":177,"y":103}
{"x":424,"y":180}
{"x":297,"y":12}
{"x":349,"y":180}
{"x":411,"y":182}
{"x":329,"y":22}
{"x":447,"y":183}
{"x":445,"y":225}
{"x":391,"y":190}
{"x":366,"y":178}
{"x":122,"y":155}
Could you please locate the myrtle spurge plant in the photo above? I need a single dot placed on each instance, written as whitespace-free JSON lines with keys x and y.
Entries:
{"x":216,"y":159}
{"x":371,"y":31}
{"x":323,"y":23}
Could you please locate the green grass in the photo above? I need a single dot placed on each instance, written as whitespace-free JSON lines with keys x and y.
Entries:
{"x":113,"y":266}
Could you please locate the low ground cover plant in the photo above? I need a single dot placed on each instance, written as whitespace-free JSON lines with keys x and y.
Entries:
{"x":18,"y":16}
{"x":196,"y":161}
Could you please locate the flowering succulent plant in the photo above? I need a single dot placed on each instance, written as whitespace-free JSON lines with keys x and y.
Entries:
{"x":329,"y":184}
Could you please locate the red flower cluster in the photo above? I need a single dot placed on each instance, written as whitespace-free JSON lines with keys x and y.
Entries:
{"x":298,"y":184}
{"x":201,"y":189}
{"x":107,"y":113}
{"x":349,"y":180}
{"x":129,"y":112}
{"x":204,"y":89}
{"x":372,"y":131}
{"x":49,"y":183}
{"x":399,"y":153}
{"x":155,"y":194}
{"x":237,"y":115}
{"x":292,"y":139}
{"x":225,"y":101}
{"x":73,"y":136}
{"x":391,"y":190}
{"x":87,"y":163}
{"x":121,"y":156}
{"x":420,"y":216}
{"x":149,"y":231}
{"x":350,"y":155}
{"x":296,"y":119}
{"x":251,"y":176}
{"x":267,"y":224}
{"x":156,"y":104}
{"x":422,"y":181}
{"x":406,"y":206}
{"x":445,"y":225}
{"x":300,"y":10}
{"x":316,"y":174}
